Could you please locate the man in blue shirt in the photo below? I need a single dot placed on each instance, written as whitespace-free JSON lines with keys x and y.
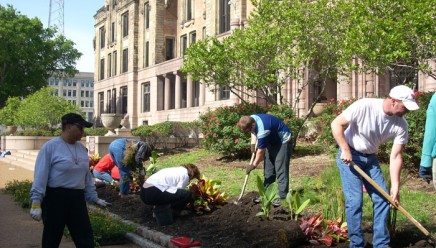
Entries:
{"x":274,"y":143}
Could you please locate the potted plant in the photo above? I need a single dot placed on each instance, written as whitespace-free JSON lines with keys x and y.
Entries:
{"x":8,"y":114}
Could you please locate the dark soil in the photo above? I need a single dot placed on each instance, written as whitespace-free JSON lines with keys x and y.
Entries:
{"x":236,"y":225}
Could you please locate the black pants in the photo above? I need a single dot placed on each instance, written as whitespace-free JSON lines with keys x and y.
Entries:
{"x":66,"y":207}
{"x":178,"y":200}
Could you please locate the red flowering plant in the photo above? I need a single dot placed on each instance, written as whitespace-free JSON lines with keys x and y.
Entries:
{"x":206,"y":195}
{"x":332,"y":109}
{"x":221,"y":131}
{"x":320,"y":231}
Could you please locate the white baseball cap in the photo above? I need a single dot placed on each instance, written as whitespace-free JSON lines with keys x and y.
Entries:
{"x":406,"y":95}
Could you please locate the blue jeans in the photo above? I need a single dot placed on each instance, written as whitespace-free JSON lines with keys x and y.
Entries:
{"x":352,"y":183}
{"x":103,"y":176}
{"x":116,"y":150}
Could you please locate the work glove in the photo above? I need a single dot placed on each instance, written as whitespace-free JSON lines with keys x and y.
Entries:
{"x":425,"y":173}
{"x":36,"y":211}
{"x":253,"y":148}
{"x":102,"y":203}
{"x":249,"y":168}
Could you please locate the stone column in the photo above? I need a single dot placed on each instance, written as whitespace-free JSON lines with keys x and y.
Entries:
{"x":202,"y":96}
{"x":167,"y":100}
{"x":189,"y":92}
{"x":178,"y":91}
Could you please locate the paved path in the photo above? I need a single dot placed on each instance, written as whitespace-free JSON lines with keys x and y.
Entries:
{"x":17,"y":228}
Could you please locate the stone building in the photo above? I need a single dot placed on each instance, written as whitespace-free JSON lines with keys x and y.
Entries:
{"x":139,"y":47}
{"x":78,"y":90}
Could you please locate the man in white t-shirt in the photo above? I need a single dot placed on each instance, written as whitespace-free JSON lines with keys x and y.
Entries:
{"x":359,"y":130}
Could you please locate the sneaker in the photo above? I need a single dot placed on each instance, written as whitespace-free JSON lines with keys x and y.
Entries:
{"x":277,"y":202}
{"x":257,"y":199}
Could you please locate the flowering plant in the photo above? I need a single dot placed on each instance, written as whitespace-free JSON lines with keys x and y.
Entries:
{"x":93,"y":160}
{"x":206,"y":195}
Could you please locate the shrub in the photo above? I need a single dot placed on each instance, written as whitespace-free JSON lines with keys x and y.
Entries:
{"x":289,"y":117}
{"x":9,"y":112}
{"x":20,"y":191}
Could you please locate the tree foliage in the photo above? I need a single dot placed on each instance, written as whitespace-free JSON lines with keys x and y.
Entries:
{"x":30,"y":54}
{"x":9,"y":111}
{"x":285,"y":39}
{"x":43,"y":109}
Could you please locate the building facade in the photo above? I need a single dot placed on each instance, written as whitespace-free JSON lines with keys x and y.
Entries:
{"x":78,"y":90}
{"x":139,"y":47}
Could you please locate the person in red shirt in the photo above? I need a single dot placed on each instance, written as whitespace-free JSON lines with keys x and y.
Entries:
{"x":106,"y":170}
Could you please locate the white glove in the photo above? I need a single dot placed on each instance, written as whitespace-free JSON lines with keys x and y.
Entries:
{"x":102,"y":203}
{"x":36,"y":211}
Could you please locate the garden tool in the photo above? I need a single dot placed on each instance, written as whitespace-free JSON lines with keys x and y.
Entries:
{"x":253,"y":155}
{"x":396,"y":205}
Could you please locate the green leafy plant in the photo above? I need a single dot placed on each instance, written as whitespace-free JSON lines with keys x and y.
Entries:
{"x":320,"y":231}
{"x":9,"y":112}
{"x":152,"y":168}
{"x":206,"y":195}
{"x":20,"y":191}
{"x":267,"y":195}
{"x":294,"y":204}
{"x":93,"y":160}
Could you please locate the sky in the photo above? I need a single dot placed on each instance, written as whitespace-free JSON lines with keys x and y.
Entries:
{"x":78,"y":23}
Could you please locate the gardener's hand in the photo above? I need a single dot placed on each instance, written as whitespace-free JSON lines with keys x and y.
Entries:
{"x":142,"y":172}
{"x":102,"y":203}
{"x":253,"y":148}
{"x":36,"y":211}
{"x":250,"y":168}
{"x":425,"y":173}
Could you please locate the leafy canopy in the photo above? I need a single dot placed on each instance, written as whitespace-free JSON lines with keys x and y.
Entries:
{"x":30,"y":54}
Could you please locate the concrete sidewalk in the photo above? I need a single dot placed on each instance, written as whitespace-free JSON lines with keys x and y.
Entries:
{"x":17,"y":228}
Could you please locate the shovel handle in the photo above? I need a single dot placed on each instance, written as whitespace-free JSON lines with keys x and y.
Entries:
{"x":389,"y":198}
{"x":253,"y":155}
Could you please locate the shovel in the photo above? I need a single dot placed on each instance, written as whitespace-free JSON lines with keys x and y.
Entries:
{"x":397,"y":205}
{"x":246,"y":176}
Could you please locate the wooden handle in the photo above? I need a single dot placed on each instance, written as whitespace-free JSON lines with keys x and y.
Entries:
{"x":389,"y":198}
{"x":246,"y":177}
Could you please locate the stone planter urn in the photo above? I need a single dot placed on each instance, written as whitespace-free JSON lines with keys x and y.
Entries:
{"x":318,"y":109}
{"x":110,"y":122}
{"x":11,"y":129}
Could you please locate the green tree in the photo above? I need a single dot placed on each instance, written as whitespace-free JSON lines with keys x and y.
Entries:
{"x":9,"y":112}
{"x":43,"y":109}
{"x":30,"y":54}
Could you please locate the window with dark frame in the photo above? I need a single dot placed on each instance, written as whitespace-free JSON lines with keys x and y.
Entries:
{"x":224,"y":93}
{"x":169,"y":48}
{"x":224,"y":16}
{"x":125,"y":60}
{"x":188,"y":10}
{"x":196,"y":93}
{"x":183,"y":45}
{"x":109,"y":65}
{"x":192,"y":38}
{"x":109,"y":101}
{"x":147,"y":54}
{"x":114,"y":101}
{"x":113,"y":32}
{"x":102,"y":37}
{"x":115,"y":62}
{"x":101,"y":69}
{"x":146,"y":97}
{"x":147,"y":15}
{"x":123,"y":100}
{"x":125,"y":18}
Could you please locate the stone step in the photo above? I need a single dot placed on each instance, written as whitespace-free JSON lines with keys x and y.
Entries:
{"x":23,"y":158}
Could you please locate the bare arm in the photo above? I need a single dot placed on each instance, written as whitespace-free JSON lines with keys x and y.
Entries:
{"x":338,"y":127}
{"x":396,"y":162}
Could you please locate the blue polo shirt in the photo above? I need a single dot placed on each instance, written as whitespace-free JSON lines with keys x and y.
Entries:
{"x":270,"y":130}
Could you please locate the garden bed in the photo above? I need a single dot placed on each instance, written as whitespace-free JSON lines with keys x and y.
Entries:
{"x":236,"y":225}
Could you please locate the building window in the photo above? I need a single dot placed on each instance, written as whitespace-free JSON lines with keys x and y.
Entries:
{"x":113,"y":32}
{"x":169,"y":48}
{"x":146,"y":97}
{"x":192,"y":37}
{"x":147,"y":54}
{"x":183,"y":45}
{"x":114,"y":101}
{"x":203,"y":35}
{"x":109,"y":65}
{"x":102,"y":37}
{"x":82,"y":93}
{"x":400,"y":75}
{"x":184,"y":95}
{"x":123,"y":100}
{"x":224,"y":92}
{"x":101,"y":102}
{"x":74,"y":93}
{"x":115,"y":62}
{"x":125,"y":60}
{"x":101,"y":69}
{"x":224,"y":16}
{"x":147,"y":15}
{"x":188,"y":10}
{"x":125,"y":18}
